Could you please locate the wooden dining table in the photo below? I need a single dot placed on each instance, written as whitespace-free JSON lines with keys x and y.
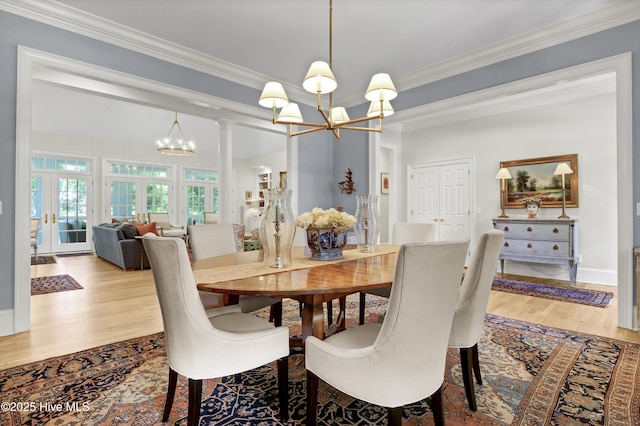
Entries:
{"x":311,"y":282}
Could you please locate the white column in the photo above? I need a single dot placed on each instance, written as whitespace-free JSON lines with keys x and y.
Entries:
{"x":225,"y":171}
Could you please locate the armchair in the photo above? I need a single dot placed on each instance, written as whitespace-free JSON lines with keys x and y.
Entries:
{"x":402,"y":360}
{"x":164,"y":227}
{"x":403,"y":232}
{"x":468,"y":320}
{"x":202,"y":345}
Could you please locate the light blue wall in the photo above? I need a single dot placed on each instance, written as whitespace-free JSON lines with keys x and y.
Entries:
{"x":322,"y":164}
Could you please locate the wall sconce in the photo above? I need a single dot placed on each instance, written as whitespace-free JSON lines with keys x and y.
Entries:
{"x":563,"y":169}
{"x":503,"y":175}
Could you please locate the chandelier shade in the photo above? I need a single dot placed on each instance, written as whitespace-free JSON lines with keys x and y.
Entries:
{"x":320,"y":80}
{"x":374,"y":109}
{"x":175,"y":143}
{"x":290,"y":113}
{"x":273,"y":95}
{"x":381,"y":88}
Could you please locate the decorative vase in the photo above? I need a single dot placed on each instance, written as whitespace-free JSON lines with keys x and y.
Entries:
{"x":367,"y":223}
{"x":277,"y":228}
{"x":326,"y":243}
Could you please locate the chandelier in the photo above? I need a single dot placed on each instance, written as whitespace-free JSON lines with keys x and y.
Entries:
{"x":175,"y":143}
{"x":320,"y":80}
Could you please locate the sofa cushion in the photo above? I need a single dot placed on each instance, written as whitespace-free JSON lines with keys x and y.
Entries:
{"x":143,"y":228}
{"x":128,"y":230}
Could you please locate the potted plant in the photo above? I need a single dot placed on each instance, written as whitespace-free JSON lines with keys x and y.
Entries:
{"x":326,"y":232}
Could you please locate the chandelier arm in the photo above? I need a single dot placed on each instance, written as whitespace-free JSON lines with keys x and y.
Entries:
{"x":357,"y":120}
{"x":364,"y":129}
{"x":304,"y":132}
{"x":303,"y":123}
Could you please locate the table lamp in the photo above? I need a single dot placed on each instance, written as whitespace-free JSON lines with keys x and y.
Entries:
{"x":563,"y":169}
{"x":503,"y":175}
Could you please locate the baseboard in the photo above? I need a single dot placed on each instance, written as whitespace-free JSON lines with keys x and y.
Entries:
{"x":7,"y":325}
{"x":559,"y":272}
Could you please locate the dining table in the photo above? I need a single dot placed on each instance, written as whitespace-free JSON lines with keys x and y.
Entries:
{"x":311,"y":282}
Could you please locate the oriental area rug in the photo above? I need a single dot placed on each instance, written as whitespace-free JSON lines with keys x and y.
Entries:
{"x":53,"y":283}
{"x":601,"y":299}
{"x":532,"y":375}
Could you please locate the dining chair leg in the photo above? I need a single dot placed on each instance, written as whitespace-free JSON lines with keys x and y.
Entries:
{"x":467,"y":376}
{"x":363,"y":301}
{"x":195,"y":397}
{"x":276,"y":313}
{"x":476,"y":364}
{"x":283,"y":387}
{"x":329,"y":313}
{"x":312,"y":399}
{"x":394,"y":416}
{"x":171,"y":392}
{"x":437,"y":407}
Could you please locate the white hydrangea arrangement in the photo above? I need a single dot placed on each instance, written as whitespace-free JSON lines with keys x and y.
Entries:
{"x":332,"y":218}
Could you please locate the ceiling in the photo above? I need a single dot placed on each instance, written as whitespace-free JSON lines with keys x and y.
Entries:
{"x":278,"y":39}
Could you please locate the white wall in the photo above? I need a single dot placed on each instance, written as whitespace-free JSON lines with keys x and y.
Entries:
{"x":586,"y":126}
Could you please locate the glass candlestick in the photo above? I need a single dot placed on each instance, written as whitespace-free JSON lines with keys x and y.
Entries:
{"x":277,"y":228}
{"x":367,"y":223}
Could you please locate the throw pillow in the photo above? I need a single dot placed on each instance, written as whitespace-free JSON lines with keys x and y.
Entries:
{"x":143,"y":228}
{"x":129,"y":231}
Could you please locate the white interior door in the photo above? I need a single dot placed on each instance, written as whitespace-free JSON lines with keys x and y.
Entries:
{"x":440,"y":193}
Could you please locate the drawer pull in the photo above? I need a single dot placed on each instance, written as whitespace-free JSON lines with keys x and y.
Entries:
{"x":506,"y":244}
{"x":555,"y":247}
{"x":529,"y":245}
{"x":506,"y":229}
{"x":529,"y":229}
{"x":555,"y":230}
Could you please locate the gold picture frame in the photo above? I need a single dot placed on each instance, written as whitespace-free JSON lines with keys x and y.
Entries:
{"x":384,"y":183}
{"x":248,"y":195}
{"x":533,"y":178}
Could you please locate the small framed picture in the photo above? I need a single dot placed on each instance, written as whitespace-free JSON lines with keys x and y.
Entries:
{"x":384,"y":183}
{"x":283,"y":180}
{"x":248,"y":195}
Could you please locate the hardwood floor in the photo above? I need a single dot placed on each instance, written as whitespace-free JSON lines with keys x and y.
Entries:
{"x":116,"y":305}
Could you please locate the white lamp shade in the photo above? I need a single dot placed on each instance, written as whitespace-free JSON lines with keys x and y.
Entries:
{"x":381,"y":88}
{"x":273,"y":95}
{"x":503,"y":173}
{"x":290,"y":113}
{"x":339,"y":115}
{"x":374,"y":109}
{"x":563,"y":169}
{"x":319,"y":78}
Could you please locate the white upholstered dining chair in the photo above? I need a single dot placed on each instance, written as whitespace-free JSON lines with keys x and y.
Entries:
{"x":203,"y":345}
{"x":403,"y":232}
{"x":468,"y":320}
{"x":217,"y":239}
{"x":402,"y":360}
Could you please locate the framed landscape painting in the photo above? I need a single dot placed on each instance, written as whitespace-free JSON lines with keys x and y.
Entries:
{"x":534,"y":178}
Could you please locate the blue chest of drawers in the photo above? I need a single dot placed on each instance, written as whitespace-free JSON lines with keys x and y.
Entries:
{"x":552,"y":241}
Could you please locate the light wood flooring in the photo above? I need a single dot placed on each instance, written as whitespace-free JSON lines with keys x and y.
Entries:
{"x":116,"y":305}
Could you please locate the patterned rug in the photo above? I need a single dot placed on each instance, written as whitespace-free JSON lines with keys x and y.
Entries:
{"x":601,"y":299}
{"x":42,"y":260}
{"x":532,"y":375}
{"x":53,"y":283}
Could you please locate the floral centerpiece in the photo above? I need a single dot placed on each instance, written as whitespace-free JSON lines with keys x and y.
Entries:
{"x":326,"y":232}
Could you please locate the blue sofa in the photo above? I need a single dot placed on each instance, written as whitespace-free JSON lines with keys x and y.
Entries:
{"x":117,"y":244}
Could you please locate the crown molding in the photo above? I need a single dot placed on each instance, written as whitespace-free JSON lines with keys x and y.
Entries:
{"x":76,"y":21}
{"x":619,"y":13}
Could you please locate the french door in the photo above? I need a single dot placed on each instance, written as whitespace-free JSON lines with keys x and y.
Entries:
{"x":201,"y":197}
{"x":131,"y":198}
{"x":62,"y":201}
{"x":440,"y":193}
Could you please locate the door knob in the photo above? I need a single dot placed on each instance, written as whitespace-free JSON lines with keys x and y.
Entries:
{"x":53,"y":218}
{"x":46,"y":218}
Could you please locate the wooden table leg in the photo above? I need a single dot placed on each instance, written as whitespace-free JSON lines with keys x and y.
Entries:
{"x":312,"y":318}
